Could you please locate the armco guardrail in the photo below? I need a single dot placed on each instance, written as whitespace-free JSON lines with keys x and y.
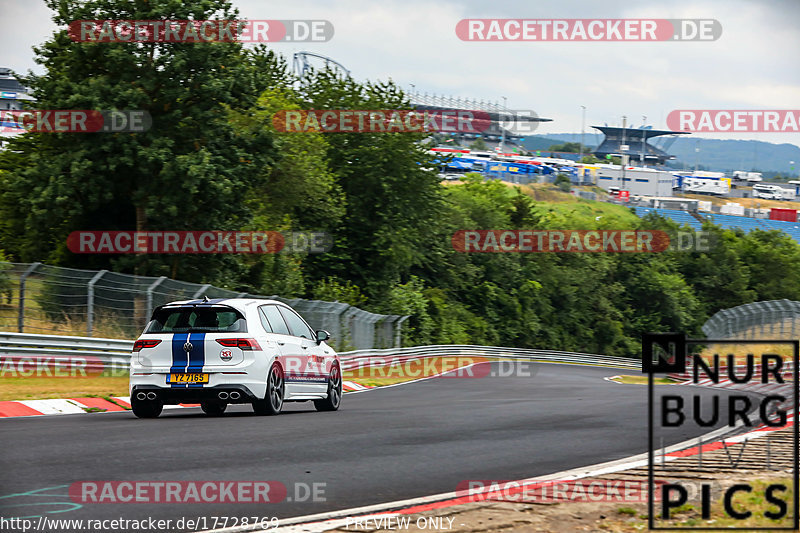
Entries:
{"x":53,"y":350}
{"x":112,"y":352}
{"x":362,"y":358}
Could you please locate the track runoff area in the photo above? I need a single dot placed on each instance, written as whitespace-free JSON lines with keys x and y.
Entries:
{"x":461,"y":433}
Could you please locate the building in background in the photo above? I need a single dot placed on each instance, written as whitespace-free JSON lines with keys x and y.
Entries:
{"x":637,"y":181}
{"x":633,"y":143}
{"x":12,"y":96}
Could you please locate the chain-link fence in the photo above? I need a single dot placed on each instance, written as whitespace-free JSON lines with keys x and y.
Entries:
{"x":774,"y":319}
{"x":37,"y":298}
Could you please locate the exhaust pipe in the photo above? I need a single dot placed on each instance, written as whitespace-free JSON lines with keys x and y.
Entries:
{"x":223,"y":395}
{"x":141,"y":396}
{"x":234,"y":395}
{"x":151,"y":396}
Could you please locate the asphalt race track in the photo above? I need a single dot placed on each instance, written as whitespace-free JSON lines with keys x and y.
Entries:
{"x":385,"y":444}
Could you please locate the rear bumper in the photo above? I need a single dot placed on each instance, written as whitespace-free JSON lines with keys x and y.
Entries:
{"x":250,"y":386}
{"x":197,"y":395}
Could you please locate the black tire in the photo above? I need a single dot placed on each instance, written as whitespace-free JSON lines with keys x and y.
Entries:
{"x":146,"y":408}
{"x":276,"y":390}
{"x":334,"y":399}
{"x":213,"y":407}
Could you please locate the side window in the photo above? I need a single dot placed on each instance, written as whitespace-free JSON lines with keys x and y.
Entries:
{"x":296,"y":324}
{"x":273,"y":316}
{"x":264,"y":321}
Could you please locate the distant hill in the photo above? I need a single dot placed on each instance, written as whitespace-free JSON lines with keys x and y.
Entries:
{"x":542,"y":143}
{"x":715,"y":154}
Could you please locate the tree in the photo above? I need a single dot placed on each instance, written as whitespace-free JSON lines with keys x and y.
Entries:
{"x":392,"y":201}
{"x":479,"y":145}
{"x":719,"y":276}
{"x":294,"y":191}
{"x":566,"y":147}
{"x":563,"y":182}
{"x":189,"y":171}
{"x":771,"y":258}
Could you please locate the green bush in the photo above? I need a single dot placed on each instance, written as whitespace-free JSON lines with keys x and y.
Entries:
{"x":563,"y":182}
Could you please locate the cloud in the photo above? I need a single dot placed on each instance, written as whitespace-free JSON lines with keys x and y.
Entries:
{"x":752,"y":66}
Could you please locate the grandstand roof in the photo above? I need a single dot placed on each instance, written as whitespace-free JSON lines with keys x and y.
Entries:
{"x":636,"y":133}
{"x":611,"y":145}
{"x":9,"y":83}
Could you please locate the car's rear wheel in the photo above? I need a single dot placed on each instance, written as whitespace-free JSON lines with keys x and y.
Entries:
{"x":213,"y":408}
{"x":146,"y":408}
{"x":334,"y":399}
{"x":273,"y":399}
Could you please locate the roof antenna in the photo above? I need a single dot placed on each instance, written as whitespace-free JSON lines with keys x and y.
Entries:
{"x":205,"y":298}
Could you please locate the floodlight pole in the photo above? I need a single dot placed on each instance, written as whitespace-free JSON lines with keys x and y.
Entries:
{"x":696,"y":151}
{"x":622,"y":151}
{"x":503,"y":131}
{"x":644,"y":120}
{"x":583,"y":128}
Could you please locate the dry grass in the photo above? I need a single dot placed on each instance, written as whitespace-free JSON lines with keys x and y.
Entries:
{"x":767,"y":332}
{"x":641,"y":380}
{"x":547,"y":192}
{"x":103,"y":327}
{"x":782,"y":330}
{"x":541,"y":192}
{"x":36,"y":320}
{"x":741,"y":351}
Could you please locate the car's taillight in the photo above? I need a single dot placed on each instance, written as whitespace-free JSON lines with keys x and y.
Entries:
{"x":147,"y":343}
{"x":242,"y":344}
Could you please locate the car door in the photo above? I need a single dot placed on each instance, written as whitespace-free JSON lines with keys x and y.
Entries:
{"x":272,"y":320}
{"x":313,"y":376}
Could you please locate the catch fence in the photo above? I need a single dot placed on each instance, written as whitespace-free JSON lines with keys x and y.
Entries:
{"x":768,"y":320}
{"x":38,"y":298}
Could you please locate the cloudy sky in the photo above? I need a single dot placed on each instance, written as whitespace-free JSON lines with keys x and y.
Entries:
{"x":754,"y":65}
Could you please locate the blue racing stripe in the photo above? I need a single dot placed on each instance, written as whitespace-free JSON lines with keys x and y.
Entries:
{"x":197,"y":357}
{"x":179,"y":357}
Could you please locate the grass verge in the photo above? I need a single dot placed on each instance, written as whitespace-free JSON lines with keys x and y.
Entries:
{"x":46,"y":388}
{"x":641,"y":380}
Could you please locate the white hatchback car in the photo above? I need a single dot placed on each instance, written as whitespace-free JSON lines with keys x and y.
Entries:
{"x":228,"y":351}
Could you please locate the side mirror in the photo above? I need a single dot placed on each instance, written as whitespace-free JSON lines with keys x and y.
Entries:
{"x":322,"y":335}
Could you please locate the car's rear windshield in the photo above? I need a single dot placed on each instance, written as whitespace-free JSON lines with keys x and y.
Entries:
{"x":196,"y":319}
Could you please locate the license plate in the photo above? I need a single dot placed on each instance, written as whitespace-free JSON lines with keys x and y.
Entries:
{"x":187,"y":378}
